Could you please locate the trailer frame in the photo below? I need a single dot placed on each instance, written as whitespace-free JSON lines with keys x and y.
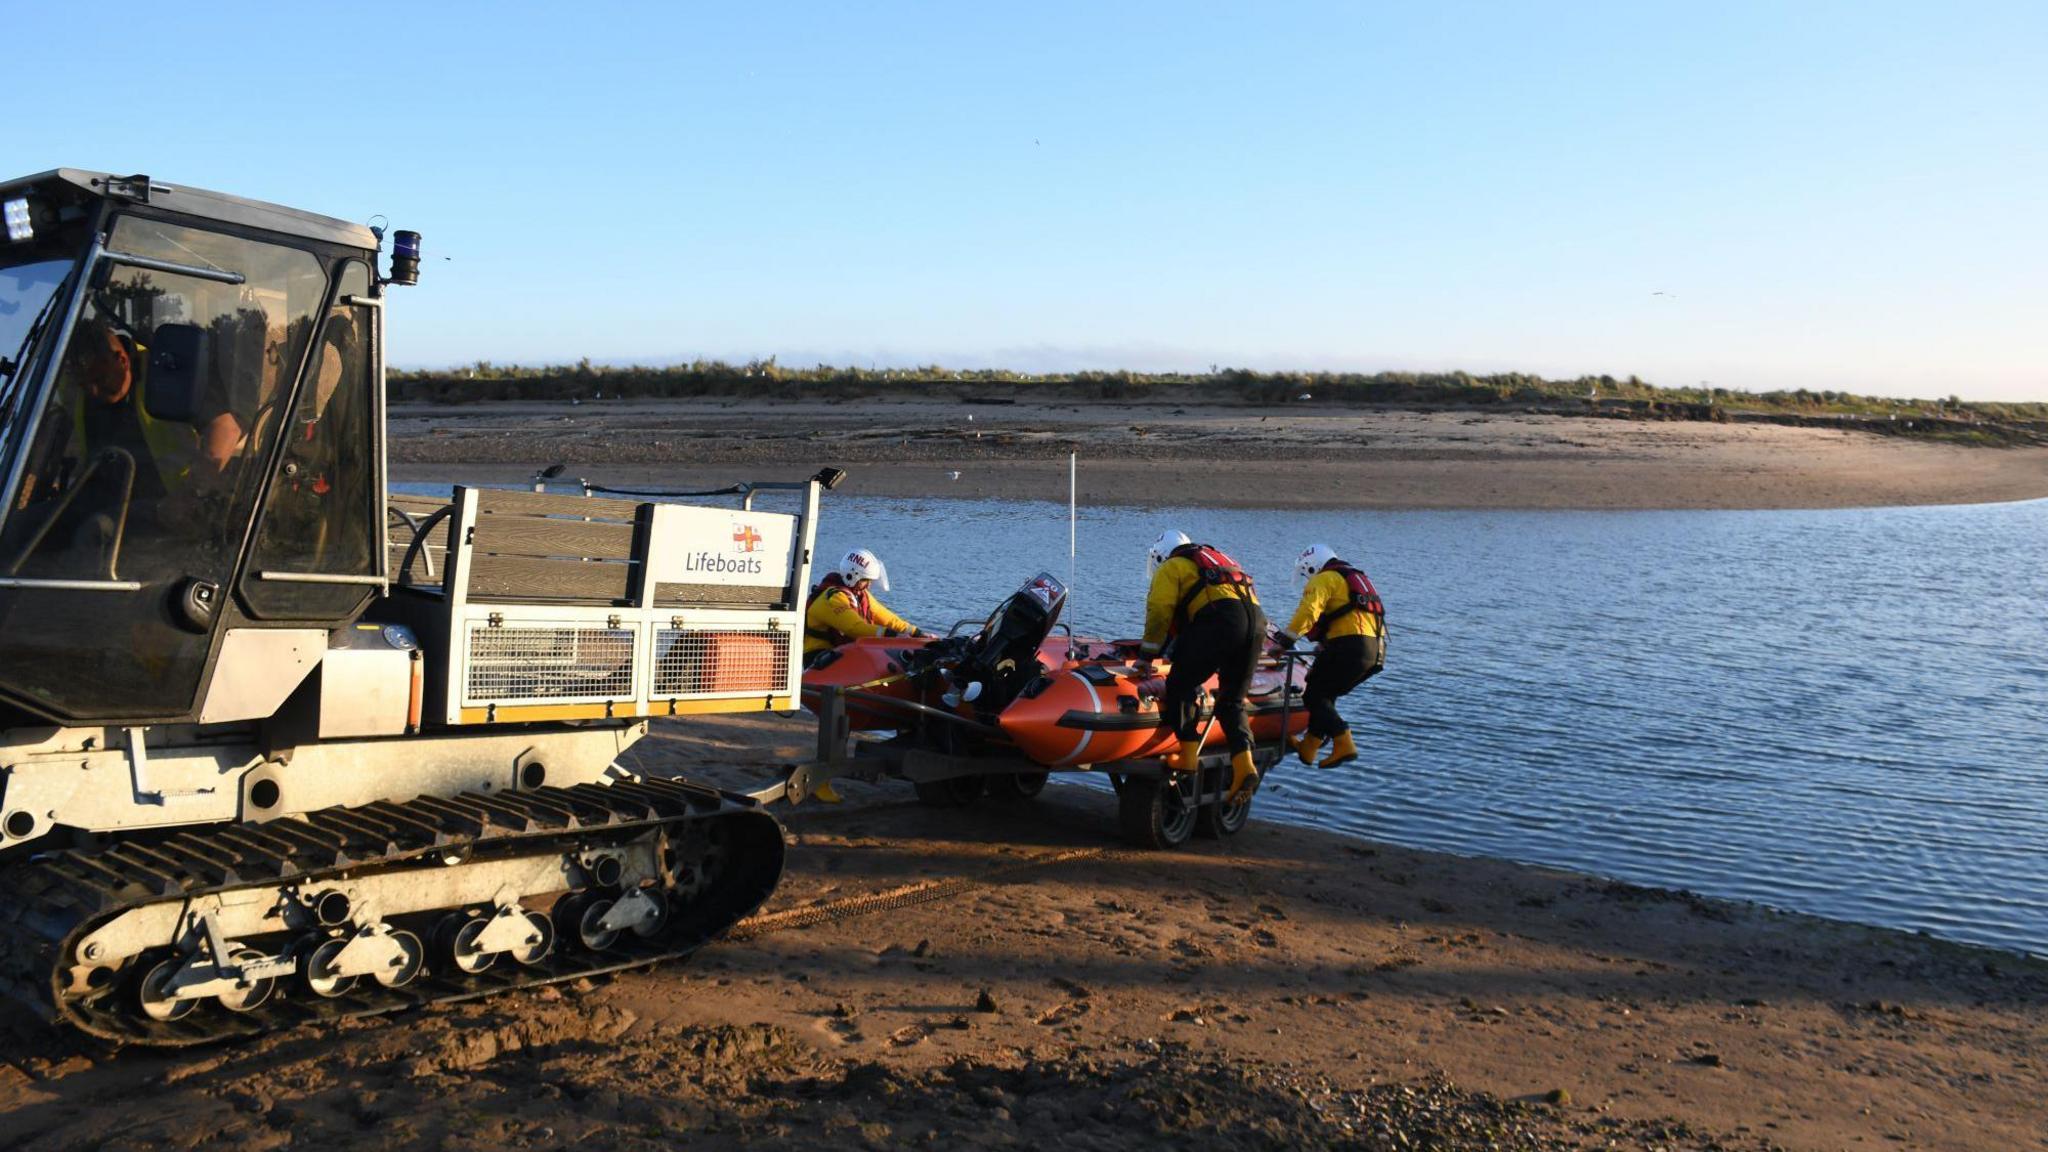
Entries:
{"x":1203,"y":794}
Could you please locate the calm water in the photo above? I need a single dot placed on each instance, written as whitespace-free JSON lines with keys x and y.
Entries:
{"x":1839,"y":712}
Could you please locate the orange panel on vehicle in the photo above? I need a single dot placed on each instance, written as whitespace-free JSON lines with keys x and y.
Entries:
{"x":743,"y":662}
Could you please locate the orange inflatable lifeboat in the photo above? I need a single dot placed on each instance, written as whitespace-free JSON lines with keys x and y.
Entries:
{"x":875,"y":666}
{"x":885,"y":668}
{"x":1059,"y":701}
{"x":1016,"y":644}
{"x":1102,"y":712}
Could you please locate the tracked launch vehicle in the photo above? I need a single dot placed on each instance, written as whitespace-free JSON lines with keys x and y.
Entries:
{"x":278,"y":745}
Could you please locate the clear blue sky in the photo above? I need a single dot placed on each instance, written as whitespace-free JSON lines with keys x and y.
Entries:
{"x":1847,"y":195}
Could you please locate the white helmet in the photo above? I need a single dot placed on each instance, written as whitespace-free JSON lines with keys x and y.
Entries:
{"x":1311,"y":561}
{"x":1162,"y":548}
{"x":861,"y":564}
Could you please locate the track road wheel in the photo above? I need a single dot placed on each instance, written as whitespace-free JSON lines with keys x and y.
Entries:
{"x":255,"y":994}
{"x":540,"y":943}
{"x":318,"y":970}
{"x":412,"y":961}
{"x":590,"y":929}
{"x":462,"y":948}
{"x":648,"y":929}
{"x":441,"y":939}
{"x":155,"y":994}
{"x":567,"y":915}
{"x":952,"y":792}
{"x":1157,"y":813}
{"x":1014,"y":786}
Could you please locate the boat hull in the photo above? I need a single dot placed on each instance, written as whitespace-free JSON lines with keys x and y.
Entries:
{"x":1101,"y":712}
{"x":873,"y":666}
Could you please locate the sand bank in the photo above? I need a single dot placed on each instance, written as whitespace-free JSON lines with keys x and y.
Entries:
{"x":1288,"y":456}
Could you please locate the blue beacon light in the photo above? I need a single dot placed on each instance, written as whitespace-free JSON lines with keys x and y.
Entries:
{"x":405,"y":257}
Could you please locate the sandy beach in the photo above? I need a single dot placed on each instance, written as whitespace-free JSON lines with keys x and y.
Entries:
{"x":1015,"y":977}
{"x":1289,"y":456}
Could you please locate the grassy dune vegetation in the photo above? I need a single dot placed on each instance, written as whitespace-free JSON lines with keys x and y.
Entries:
{"x":1627,"y":398}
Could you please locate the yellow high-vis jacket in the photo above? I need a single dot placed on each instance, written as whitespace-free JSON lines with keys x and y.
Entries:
{"x":1176,"y":578}
{"x":1326,"y":592}
{"x":835,"y":617}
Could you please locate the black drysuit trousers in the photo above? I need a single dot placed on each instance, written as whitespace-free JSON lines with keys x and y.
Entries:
{"x":1341,"y":665}
{"x":1223,"y":640}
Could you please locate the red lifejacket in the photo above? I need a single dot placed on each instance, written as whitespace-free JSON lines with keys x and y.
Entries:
{"x":1215,"y":570}
{"x":833,"y":581}
{"x":1363,"y":598}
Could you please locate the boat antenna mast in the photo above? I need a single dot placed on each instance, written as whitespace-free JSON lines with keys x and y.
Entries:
{"x":1073,"y":540}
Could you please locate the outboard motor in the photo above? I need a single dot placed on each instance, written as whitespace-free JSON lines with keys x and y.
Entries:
{"x":1003,"y":657}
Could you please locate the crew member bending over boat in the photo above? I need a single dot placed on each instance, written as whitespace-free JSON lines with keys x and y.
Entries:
{"x":843,"y":608}
{"x":1342,"y":613}
{"x":1204,"y":603}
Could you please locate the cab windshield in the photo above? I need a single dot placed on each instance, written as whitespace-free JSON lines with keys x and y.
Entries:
{"x":137,"y":483}
{"x":31,"y":275}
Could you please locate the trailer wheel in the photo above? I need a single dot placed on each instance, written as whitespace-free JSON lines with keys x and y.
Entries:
{"x":1157,"y":813}
{"x":1223,"y":818}
{"x":952,"y":792}
{"x":1016,"y":785}
{"x":1220,"y":818}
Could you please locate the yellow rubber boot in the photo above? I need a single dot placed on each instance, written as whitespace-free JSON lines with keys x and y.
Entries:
{"x":1188,"y":758}
{"x":1244,"y":777}
{"x":1306,"y":747}
{"x":1342,"y":751}
{"x":824,"y":793}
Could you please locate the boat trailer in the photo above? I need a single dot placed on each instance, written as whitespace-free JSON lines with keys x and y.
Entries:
{"x":1157,"y":807}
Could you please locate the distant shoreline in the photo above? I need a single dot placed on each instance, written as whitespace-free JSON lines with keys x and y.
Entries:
{"x":1630,"y":398}
{"x":1235,"y":455}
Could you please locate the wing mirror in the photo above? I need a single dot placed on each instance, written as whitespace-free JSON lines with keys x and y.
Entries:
{"x":178,"y":359}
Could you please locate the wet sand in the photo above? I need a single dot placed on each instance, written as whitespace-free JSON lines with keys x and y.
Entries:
{"x":1287,"y":456}
{"x":1012,"y":976}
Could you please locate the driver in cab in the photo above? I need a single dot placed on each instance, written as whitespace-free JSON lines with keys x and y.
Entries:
{"x":106,"y":367}
{"x":92,"y":456}
{"x":101,"y":373}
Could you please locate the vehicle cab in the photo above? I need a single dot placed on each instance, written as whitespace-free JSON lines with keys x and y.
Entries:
{"x":190,"y":442}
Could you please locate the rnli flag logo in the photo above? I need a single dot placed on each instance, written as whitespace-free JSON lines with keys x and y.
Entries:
{"x":745,"y":536}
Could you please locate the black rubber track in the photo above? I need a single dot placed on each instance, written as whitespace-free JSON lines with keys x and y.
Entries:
{"x":49,"y":902}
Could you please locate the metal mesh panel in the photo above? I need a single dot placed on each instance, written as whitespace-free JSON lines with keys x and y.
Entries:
{"x":691,"y":663}
{"x":547,"y":663}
